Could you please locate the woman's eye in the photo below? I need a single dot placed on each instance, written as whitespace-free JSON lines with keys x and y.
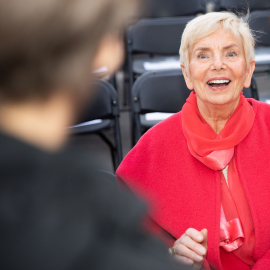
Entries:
{"x":231,"y":54}
{"x":202,"y":56}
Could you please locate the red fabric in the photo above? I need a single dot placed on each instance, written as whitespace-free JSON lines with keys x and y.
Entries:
{"x":203,"y":140}
{"x":183,"y":193}
{"x":200,"y":136}
{"x":236,"y":207}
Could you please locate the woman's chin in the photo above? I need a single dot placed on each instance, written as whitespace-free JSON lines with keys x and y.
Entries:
{"x":220,"y":99}
{"x":218,"y":95}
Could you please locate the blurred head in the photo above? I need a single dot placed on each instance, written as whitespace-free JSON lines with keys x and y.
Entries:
{"x":50,"y":45}
{"x":217,"y":56}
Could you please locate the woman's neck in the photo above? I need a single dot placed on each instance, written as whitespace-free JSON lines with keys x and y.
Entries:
{"x":217,"y":115}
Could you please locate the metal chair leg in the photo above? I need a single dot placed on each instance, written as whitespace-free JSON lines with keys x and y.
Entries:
{"x":138,"y":126}
{"x":111,"y":146}
{"x":118,"y":144}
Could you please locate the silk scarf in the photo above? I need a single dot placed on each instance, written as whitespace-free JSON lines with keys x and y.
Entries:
{"x":216,"y":151}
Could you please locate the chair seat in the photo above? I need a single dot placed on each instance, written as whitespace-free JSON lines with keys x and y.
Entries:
{"x":150,"y":119}
{"x":156,"y":63}
{"x":91,"y":126}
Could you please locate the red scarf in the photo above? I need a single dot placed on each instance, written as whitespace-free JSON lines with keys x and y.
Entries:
{"x":216,"y":151}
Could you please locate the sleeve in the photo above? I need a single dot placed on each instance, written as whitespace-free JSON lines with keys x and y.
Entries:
{"x":206,"y":265}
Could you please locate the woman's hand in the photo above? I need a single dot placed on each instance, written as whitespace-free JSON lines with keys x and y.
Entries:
{"x":191,"y":248}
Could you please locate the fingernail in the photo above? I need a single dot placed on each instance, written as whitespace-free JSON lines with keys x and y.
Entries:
{"x":199,"y":238}
{"x":199,"y":258}
{"x":202,"y":250}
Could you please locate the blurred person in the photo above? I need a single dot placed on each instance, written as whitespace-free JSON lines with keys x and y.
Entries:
{"x":205,"y":170}
{"x":55,"y":212}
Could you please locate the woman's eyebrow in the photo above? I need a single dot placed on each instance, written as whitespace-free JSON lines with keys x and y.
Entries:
{"x":202,"y":49}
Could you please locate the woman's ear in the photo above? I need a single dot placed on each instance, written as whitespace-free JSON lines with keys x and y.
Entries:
{"x":110,"y":54}
{"x":249,"y":74}
{"x":187,"y":78}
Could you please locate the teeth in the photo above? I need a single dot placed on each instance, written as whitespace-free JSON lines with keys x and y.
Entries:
{"x":218,"y":81}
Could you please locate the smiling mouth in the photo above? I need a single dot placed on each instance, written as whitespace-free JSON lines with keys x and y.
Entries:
{"x":218,"y":83}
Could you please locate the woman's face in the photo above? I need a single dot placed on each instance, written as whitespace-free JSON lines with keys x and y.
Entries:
{"x":218,"y":70}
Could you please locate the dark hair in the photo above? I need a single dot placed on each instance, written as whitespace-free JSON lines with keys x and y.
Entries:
{"x":49,"y":44}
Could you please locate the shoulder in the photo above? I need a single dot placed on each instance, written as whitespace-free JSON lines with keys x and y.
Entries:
{"x":261,"y":109}
{"x":65,"y":191}
{"x":159,"y":147}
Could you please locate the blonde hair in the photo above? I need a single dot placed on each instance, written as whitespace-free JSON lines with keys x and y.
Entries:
{"x":204,"y":25}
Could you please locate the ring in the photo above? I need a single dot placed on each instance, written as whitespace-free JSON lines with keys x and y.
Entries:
{"x":172,"y":251}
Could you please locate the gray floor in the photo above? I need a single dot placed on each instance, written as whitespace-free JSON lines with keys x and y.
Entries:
{"x":101,"y":150}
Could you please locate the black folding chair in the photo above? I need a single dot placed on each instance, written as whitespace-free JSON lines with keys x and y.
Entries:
{"x":163,"y":91}
{"x":242,"y":5}
{"x":102,"y":114}
{"x":153,"y":37}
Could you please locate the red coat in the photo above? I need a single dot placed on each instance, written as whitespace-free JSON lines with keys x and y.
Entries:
{"x":183,"y":193}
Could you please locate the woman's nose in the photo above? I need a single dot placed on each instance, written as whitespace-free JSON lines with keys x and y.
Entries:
{"x":217,"y":63}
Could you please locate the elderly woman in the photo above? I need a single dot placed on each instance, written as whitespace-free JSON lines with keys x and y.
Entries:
{"x":205,"y":170}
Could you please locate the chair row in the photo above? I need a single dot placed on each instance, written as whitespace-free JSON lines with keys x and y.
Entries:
{"x":160,"y":38}
{"x":162,"y":92}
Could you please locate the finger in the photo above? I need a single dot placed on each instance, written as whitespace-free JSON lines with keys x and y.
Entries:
{"x":205,"y":236}
{"x":182,"y":250}
{"x":195,"y":235}
{"x":193,"y":246}
{"x":183,"y":260}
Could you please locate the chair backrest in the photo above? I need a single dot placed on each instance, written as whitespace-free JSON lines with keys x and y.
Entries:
{"x":162,"y":91}
{"x":104,"y":103}
{"x":242,"y":5}
{"x":260,"y":21}
{"x":157,"y":36}
{"x":172,"y":8}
